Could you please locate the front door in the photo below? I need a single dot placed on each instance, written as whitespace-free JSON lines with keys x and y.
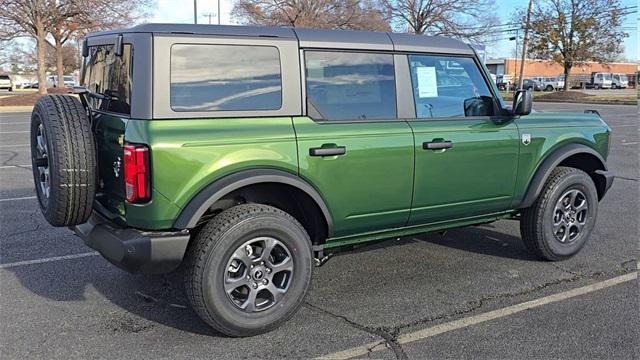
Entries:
{"x":352,"y":147}
{"x":466,"y":156}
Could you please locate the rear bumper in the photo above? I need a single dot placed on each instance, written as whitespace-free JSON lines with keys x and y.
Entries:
{"x":133,"y":250}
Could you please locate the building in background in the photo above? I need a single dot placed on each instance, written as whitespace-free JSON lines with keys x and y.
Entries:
{"x":548,"y":68}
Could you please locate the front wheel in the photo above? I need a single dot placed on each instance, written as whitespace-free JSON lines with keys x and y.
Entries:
{"x":560,"y":221}
{"x":249,"y":269}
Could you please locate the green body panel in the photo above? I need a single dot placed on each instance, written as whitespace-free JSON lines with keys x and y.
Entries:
{"x":108,"y":130}
{"x":551,"y":131}
{"x":474,"y":177}
{"x":368,"y":188}
{"x":188,"y":155}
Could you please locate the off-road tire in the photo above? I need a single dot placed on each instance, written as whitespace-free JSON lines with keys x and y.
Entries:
{"x":549,"y":88}
{"x":70,"y":158}
{"x":206,"y":265}
{"x":536,"y":224}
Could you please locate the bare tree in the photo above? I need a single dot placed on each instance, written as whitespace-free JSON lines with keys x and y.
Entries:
{"x":28,"y":18}
{"x":76,"y":18}
{"x":326,"y":14}
{"x":466,"y":19}
{"x":573,"y":32}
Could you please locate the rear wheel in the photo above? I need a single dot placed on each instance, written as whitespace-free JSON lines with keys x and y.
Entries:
{"x":63,"y":160}
{"x":248,"y":270}
{"x":560,"y":221}
{"x":549,"y":88}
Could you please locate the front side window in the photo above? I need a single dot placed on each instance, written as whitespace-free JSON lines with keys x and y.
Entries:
{"x":225,"y":78}
{"x":109,"y":75}
{"x":351,"y":85}
{"x":449,"y":87}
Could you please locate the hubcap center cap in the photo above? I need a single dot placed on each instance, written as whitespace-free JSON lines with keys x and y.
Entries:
{"x":258,"y":273}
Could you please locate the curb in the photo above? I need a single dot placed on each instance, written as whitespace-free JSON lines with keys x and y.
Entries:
{"x":7,"y":109}
{"x":587,"y":102}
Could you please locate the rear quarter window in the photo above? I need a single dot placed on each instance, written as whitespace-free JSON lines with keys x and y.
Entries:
{"x":110,"y":75}
{"x":225,"y":77}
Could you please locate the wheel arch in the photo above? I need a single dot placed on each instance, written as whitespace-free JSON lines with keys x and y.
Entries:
{"x":573,"y":155}
{"x":215,"y":192}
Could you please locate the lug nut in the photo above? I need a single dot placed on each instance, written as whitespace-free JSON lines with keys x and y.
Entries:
{"x":261,"y":262}
{"x":255,"y":285}
{"x":252,"y":266}
{"x":268,"y":270}
{"x":265,"y":282}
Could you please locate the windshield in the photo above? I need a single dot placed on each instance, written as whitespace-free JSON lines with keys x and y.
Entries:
{"x":106,"y":74}
{"x":624,"y":77}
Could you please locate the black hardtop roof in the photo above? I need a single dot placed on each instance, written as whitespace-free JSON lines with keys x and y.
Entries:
{"x":308,"y":37}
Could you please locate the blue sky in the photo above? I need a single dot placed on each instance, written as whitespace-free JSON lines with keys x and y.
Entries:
{"x":181,"y":11}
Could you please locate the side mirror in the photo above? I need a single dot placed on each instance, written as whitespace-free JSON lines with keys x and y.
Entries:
{"x":522,"y":102}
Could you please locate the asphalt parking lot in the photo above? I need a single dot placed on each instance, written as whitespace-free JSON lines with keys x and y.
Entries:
{"x":472,"y":293}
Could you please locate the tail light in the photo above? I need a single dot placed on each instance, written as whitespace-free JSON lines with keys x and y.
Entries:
{"x":137,"y":173}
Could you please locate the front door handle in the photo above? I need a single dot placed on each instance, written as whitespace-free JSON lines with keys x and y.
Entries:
{"x":328,"y":151}
{"x":437,"y":145}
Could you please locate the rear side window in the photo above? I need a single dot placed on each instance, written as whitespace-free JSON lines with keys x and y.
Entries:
{"x":109,"y":75}
{"x":449,"y":87}
{"x":225,"y":78}
{"x":351,"y":85}
{"x":4,"y":77}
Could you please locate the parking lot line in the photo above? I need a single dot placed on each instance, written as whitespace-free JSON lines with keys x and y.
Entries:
{"x":18,"y":198}
{"x":14,"y":132}
{"x":15,"y":166}
{"x":480,"y":318}
{"x":47,"y":260}
{"x":16,"y":145}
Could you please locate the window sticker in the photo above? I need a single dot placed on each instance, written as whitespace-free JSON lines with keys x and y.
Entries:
{"x":427,"y":82}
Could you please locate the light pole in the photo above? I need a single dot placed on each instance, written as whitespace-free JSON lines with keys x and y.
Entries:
{"x":524,"y":44}
{"x":515,"y":63}
{"x":195,"y":11}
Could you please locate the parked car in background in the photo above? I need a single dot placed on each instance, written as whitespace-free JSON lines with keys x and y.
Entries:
{"x":619,"y":81}
{"x":531,"y":85}
{"x":52,"y":81}
{"x":34,"y":85}
{"x":598,"y":80}
{"x":549,"y":83}
{"x":6,"y":83}
{"x":504,"y":82}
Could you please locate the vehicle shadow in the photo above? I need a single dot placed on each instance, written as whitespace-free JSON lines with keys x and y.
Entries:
{"x":145,"y":299}
{"x":151,"y":300}
{"x":483,"y":240}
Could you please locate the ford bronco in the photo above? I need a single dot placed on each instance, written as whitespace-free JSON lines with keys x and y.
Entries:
{"x":242,"y":155}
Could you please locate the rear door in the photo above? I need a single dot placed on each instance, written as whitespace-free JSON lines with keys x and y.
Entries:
{"x":352,"y":147}
{"x":466,"y":155}
{"x":109,"y":75}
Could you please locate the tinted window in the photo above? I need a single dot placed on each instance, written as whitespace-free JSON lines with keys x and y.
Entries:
{"x":349,"y":86}
{"x":225,"y":77}
{"x":109,"y":75}
{"x":4,"y":77}
{"x":449,"y":87}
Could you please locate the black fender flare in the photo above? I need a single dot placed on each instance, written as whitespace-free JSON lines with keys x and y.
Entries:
{"x":213,"y":192}
{"x":552,"y":161}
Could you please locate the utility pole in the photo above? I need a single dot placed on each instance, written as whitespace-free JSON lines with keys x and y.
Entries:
{"x":209,"y":15}
{"x":219,"y":17}
{"x":524,"y":44}
{"x":195,"y":11}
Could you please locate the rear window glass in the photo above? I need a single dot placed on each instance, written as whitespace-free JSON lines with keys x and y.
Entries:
{"x":225,"y":78}
{"x":351,"y":85}
{"x":4,"y":77}
{"x":109,"y":75}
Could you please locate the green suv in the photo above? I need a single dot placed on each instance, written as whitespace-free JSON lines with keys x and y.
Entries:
{"x":242,"y":155}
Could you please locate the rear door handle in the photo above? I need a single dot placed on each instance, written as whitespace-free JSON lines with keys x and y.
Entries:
{"x":328,"y":151}
{"x":437,"y":145}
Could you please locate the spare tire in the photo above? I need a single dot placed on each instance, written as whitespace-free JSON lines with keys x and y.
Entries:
{"x":63,"y":159}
